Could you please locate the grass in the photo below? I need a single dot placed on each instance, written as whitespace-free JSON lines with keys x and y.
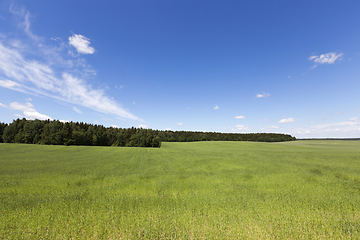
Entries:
{"x":200,"y":190}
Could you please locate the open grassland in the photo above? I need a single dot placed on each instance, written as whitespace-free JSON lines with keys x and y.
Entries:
{"x":199,"y":190}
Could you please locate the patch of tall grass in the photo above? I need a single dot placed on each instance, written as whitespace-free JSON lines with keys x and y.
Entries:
{"x":199,"y":190}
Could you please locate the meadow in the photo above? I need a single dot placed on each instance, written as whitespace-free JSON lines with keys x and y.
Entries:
{"x":200,"y":190}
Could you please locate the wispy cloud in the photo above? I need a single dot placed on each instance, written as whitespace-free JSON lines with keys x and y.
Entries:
{"x":81,"y":44}
{"x":119,"y":87}
{"x":262,"y":95}
{"x":179,"y":124}
{"x":355,"y":119}
{"x":241,"y":128}
{"x":24,"y":23}
{"x":44,"y":70}
{"x":240,"y":117}
{"x":269,"y":128}
{"x":76,"y":110}
{"x":287,"y":120}
{"x":216,"y":107}
{"x":9,"y":84}
{"x":143,"y":126}
{"x":349,"y":128}
{"x":326,"y":58}
{"x":3,"y":105}
{"x":56,"y":39}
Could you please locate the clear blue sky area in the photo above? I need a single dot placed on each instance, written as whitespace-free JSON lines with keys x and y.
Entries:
{"x":221,"y":66}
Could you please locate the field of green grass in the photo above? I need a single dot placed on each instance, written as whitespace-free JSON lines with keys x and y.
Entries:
{"x":200,"y":190}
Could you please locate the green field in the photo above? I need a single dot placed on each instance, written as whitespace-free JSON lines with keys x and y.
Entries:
{"x":199,"y":190}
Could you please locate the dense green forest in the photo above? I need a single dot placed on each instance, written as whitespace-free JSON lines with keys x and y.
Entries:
{"x":75,"y":133}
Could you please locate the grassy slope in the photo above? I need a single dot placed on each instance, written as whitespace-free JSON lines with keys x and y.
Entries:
{"x":301,"y":189}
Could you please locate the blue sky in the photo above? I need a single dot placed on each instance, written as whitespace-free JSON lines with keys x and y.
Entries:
{"x":220,"y":66}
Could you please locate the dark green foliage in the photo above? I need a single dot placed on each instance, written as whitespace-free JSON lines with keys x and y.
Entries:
{"x":13,"y":129}
{"x":184,"y":136}
{"x":71,"y":133}
{"x":2,"y":128}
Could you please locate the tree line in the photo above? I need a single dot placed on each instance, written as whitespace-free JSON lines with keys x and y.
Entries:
{"x":189,"y":136}
{"x":78,"y":133}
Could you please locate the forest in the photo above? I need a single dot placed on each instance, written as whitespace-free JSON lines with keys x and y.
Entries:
{"x":78,"y":133}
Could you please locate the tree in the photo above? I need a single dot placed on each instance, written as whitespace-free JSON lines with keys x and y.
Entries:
{"x":2,"y":129}
{"x":12,"y":129}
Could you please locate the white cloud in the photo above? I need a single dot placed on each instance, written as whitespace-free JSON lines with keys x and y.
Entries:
{"x":287,"y":120}
{"x":18,"y":115}
{"x":240,"y":117}
{"x":114,"y":126}
{"x":269,"y":127}
{"x":167,"y":129}
{"x":56,"y":39}
{"x":262,"y":95}
{"x":8,"y":84}
{"x":77,"y":91}
{"x":242,"y":128}
{"x":328,"y":58}
{"x":17,"y":106}
{"x":3,"y":105}
{"x":216,"y":107}
{"x":77,"y":110}
{"x":36,"y":115}
{"x":28,"y":111}
{"x":28,"y":99}
{"x":180,"y":124}
{"x":25,"y":20}
{"x":143,"y":126}
{"x":350,"y":128}
{"x":25,"y":74}
{"x":355,"y":119}
{"x":81,"y":43}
